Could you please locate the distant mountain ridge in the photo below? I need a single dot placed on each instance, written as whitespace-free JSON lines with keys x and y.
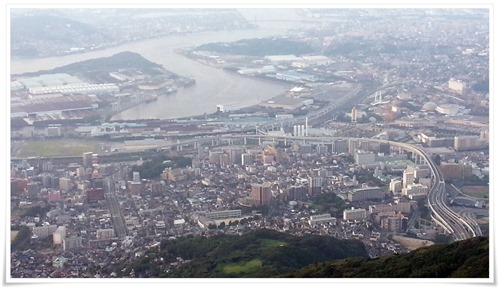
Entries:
{"x":52,"y":31}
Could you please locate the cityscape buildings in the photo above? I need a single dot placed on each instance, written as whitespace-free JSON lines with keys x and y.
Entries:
{"x":381,"y":129}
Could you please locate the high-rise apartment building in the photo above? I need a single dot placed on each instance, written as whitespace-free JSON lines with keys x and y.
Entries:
{"x":247,"y":159}
{"x":314,"y":185}
{"x":408,"y":177}
{"x":87,"y":159}
{"x":261,"y":194}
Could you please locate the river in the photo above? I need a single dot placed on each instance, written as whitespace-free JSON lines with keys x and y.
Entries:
{"x":213,"y":86}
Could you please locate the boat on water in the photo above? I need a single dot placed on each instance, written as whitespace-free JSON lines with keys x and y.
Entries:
{"x":190,"y":82}
{"x":171,"y":89}
{"x":151,"y":99}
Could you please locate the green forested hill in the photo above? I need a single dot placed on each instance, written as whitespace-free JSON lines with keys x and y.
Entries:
{"x":463,"y":259}
{"x":271,"y":254}
{"x":104,"y":65}
{"x":259,"y":47}
{"x":262,"y":254}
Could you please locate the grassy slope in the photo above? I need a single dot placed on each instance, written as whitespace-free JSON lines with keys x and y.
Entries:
{"x":259,"y":254}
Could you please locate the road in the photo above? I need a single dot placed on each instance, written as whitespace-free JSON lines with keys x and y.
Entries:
{"x":459,"y":227}
{"x":116,"y":215}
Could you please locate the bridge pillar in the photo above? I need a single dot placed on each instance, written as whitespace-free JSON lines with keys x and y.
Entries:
{"x":245,"y":141}
{"x":259,"y":140}
{"x":418,"y":159}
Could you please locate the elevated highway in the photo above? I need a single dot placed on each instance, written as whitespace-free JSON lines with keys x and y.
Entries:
{"x":458,"y":226}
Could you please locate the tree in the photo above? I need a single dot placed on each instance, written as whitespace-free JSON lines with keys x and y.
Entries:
{"x":222,"y":225}
{"x":437,"y":160}
{"x":443,"y":239}
{"x":22,"y":239}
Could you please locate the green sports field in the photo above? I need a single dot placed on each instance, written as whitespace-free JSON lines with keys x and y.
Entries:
{"x":242,"y":267}
{"x":55,"y":148}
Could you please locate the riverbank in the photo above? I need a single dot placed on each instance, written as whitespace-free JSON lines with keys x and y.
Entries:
{"x":118,"y":44}
{"x":213,"y":86}
{"x":233,"y":71}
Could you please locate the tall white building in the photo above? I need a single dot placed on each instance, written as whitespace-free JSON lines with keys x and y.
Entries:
{"x":247,"y":159}
{"x":59,"y":235}
{"x":408,"y":177}
{"x":457,"y":86}
{"x":354,"y":214}
{"x":415,"y":189}
{"x":395,"y":186}
{"x":354,"y":114}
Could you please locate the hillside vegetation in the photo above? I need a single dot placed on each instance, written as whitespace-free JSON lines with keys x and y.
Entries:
{"x":104,"y":65}
{"x":270,"y":254}
{"x":463,"y":259}
{"x":259,"y":47}
{"x":262,"y":253}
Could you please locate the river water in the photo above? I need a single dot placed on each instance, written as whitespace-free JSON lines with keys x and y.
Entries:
{"x":213,"y":86}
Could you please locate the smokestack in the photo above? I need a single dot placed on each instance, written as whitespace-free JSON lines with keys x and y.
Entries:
{"x":353,"y":114}
{"x":307,"y":129}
